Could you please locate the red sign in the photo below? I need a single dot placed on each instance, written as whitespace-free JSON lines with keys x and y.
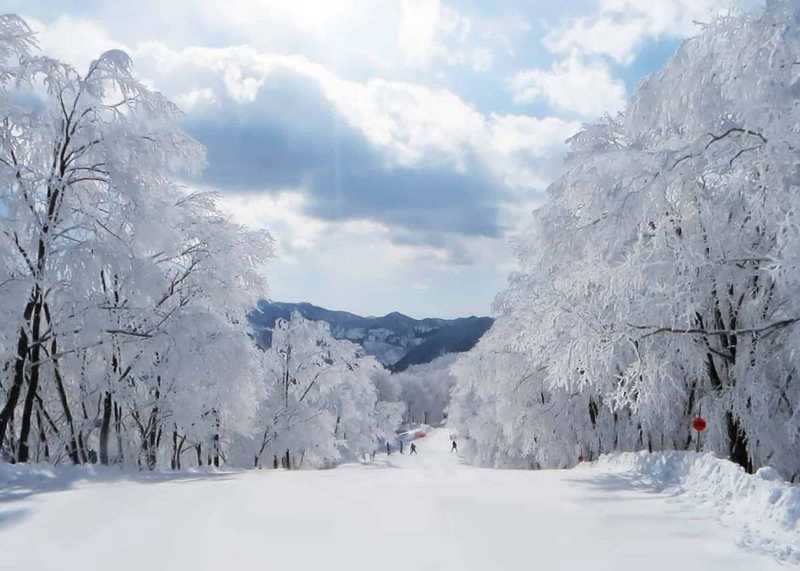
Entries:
{"x":699,"y":423}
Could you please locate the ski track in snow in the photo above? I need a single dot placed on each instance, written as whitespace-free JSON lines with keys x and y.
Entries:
{"x":427,"y":512}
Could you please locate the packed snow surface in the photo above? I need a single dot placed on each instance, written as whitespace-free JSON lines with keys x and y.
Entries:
{"x":423,"y":512}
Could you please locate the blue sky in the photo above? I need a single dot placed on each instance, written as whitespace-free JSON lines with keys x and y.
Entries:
{"x":392,"y":147}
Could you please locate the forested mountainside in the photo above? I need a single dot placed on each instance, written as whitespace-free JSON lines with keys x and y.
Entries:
{"x":396,"y":340}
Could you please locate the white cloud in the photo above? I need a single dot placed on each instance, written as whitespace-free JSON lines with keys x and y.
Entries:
{"x":281,"y":214}
{"x":310,"y":17}
{"x":619,"y":27}
{"x":528,"y":149}
{"x":410,"y":124}
{"x":416,"y":35}
{"x":571,"y":85}
{"x":195,"y":98}
{"x":431,"y":32}
{"x":74,"y":40}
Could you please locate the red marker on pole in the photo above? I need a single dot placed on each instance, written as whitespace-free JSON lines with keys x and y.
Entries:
{"x":699,"y":425}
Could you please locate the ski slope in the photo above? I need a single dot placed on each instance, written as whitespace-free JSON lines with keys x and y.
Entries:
{"x":424,"y":512}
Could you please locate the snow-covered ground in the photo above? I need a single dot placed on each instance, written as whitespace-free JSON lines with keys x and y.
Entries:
{"x":424,"y":512}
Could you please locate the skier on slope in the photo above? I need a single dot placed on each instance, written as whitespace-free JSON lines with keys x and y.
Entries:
{"x":454,"y":446}
{"x":413,"y":449}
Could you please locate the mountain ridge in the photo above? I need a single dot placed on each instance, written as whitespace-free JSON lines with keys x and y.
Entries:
{"x":395,"y":339}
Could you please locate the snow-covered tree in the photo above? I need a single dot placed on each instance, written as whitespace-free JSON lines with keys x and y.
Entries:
{"x":322,"y":403}
{"x":425,"y":389}
{"x":123,"y":295}
{"x":660,"y":280}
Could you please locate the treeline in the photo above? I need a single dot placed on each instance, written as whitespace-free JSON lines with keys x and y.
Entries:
{"x":661,"y":278}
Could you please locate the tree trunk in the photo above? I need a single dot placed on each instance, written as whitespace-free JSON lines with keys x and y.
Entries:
{"x":105,"y":428}
{"x":72,"y":445}
{"x":23,"y":453}
{"x":152,"y":440}
{"x":216,"y":440}
{"x":120,"y":459}
{"x":738,"y":443}
{"x":177,"y":449}
{"x":7,"y":414}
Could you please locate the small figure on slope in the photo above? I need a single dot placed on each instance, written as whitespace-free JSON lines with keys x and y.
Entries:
{"x":413,"y":449}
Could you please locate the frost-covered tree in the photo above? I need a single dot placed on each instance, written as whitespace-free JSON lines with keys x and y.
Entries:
{"x":660,"y":280}
{"x":122,"y":294}
{"x":322,"y":403}
{"x":425,"y":389}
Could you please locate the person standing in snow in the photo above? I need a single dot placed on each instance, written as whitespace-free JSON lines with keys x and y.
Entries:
{"x":413,"y":449}
{"x":388,"y":448}
{"x":454,"y":446}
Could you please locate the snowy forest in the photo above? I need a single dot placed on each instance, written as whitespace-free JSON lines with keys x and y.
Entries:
{"x":660,"y":280}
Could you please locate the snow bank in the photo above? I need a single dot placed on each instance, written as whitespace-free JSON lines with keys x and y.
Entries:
{"x":763,"y":506}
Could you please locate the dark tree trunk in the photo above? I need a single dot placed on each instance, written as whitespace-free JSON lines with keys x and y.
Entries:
{"x":23,"y":453}
{"x":217,"y":451}
{"x":82,"y":448}
{"x":105,"y":427}
{"x":120,"y":459}
{"x":73,"y":445}
{"x":738,"y":444}
{"x":177,"y":449}
{"x":7,"y":414}
{"x":151,"y":446}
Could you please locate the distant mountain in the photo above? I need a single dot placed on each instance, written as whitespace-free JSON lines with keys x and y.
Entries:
{"x":396,"y":340}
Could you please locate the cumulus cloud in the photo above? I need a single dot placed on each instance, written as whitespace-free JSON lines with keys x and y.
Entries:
{"x":399,"y":153}
{"x":619,"y":27}
{"x":588,"y":89}
{"x":75,"y":40}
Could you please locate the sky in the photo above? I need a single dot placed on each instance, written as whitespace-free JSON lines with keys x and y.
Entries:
{"x":393,"y":148}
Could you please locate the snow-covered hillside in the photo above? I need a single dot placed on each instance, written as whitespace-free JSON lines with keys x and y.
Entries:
{"x":423,"y":512}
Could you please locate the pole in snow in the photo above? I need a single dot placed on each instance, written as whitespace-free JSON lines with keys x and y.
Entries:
{"x":699,"y":425}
